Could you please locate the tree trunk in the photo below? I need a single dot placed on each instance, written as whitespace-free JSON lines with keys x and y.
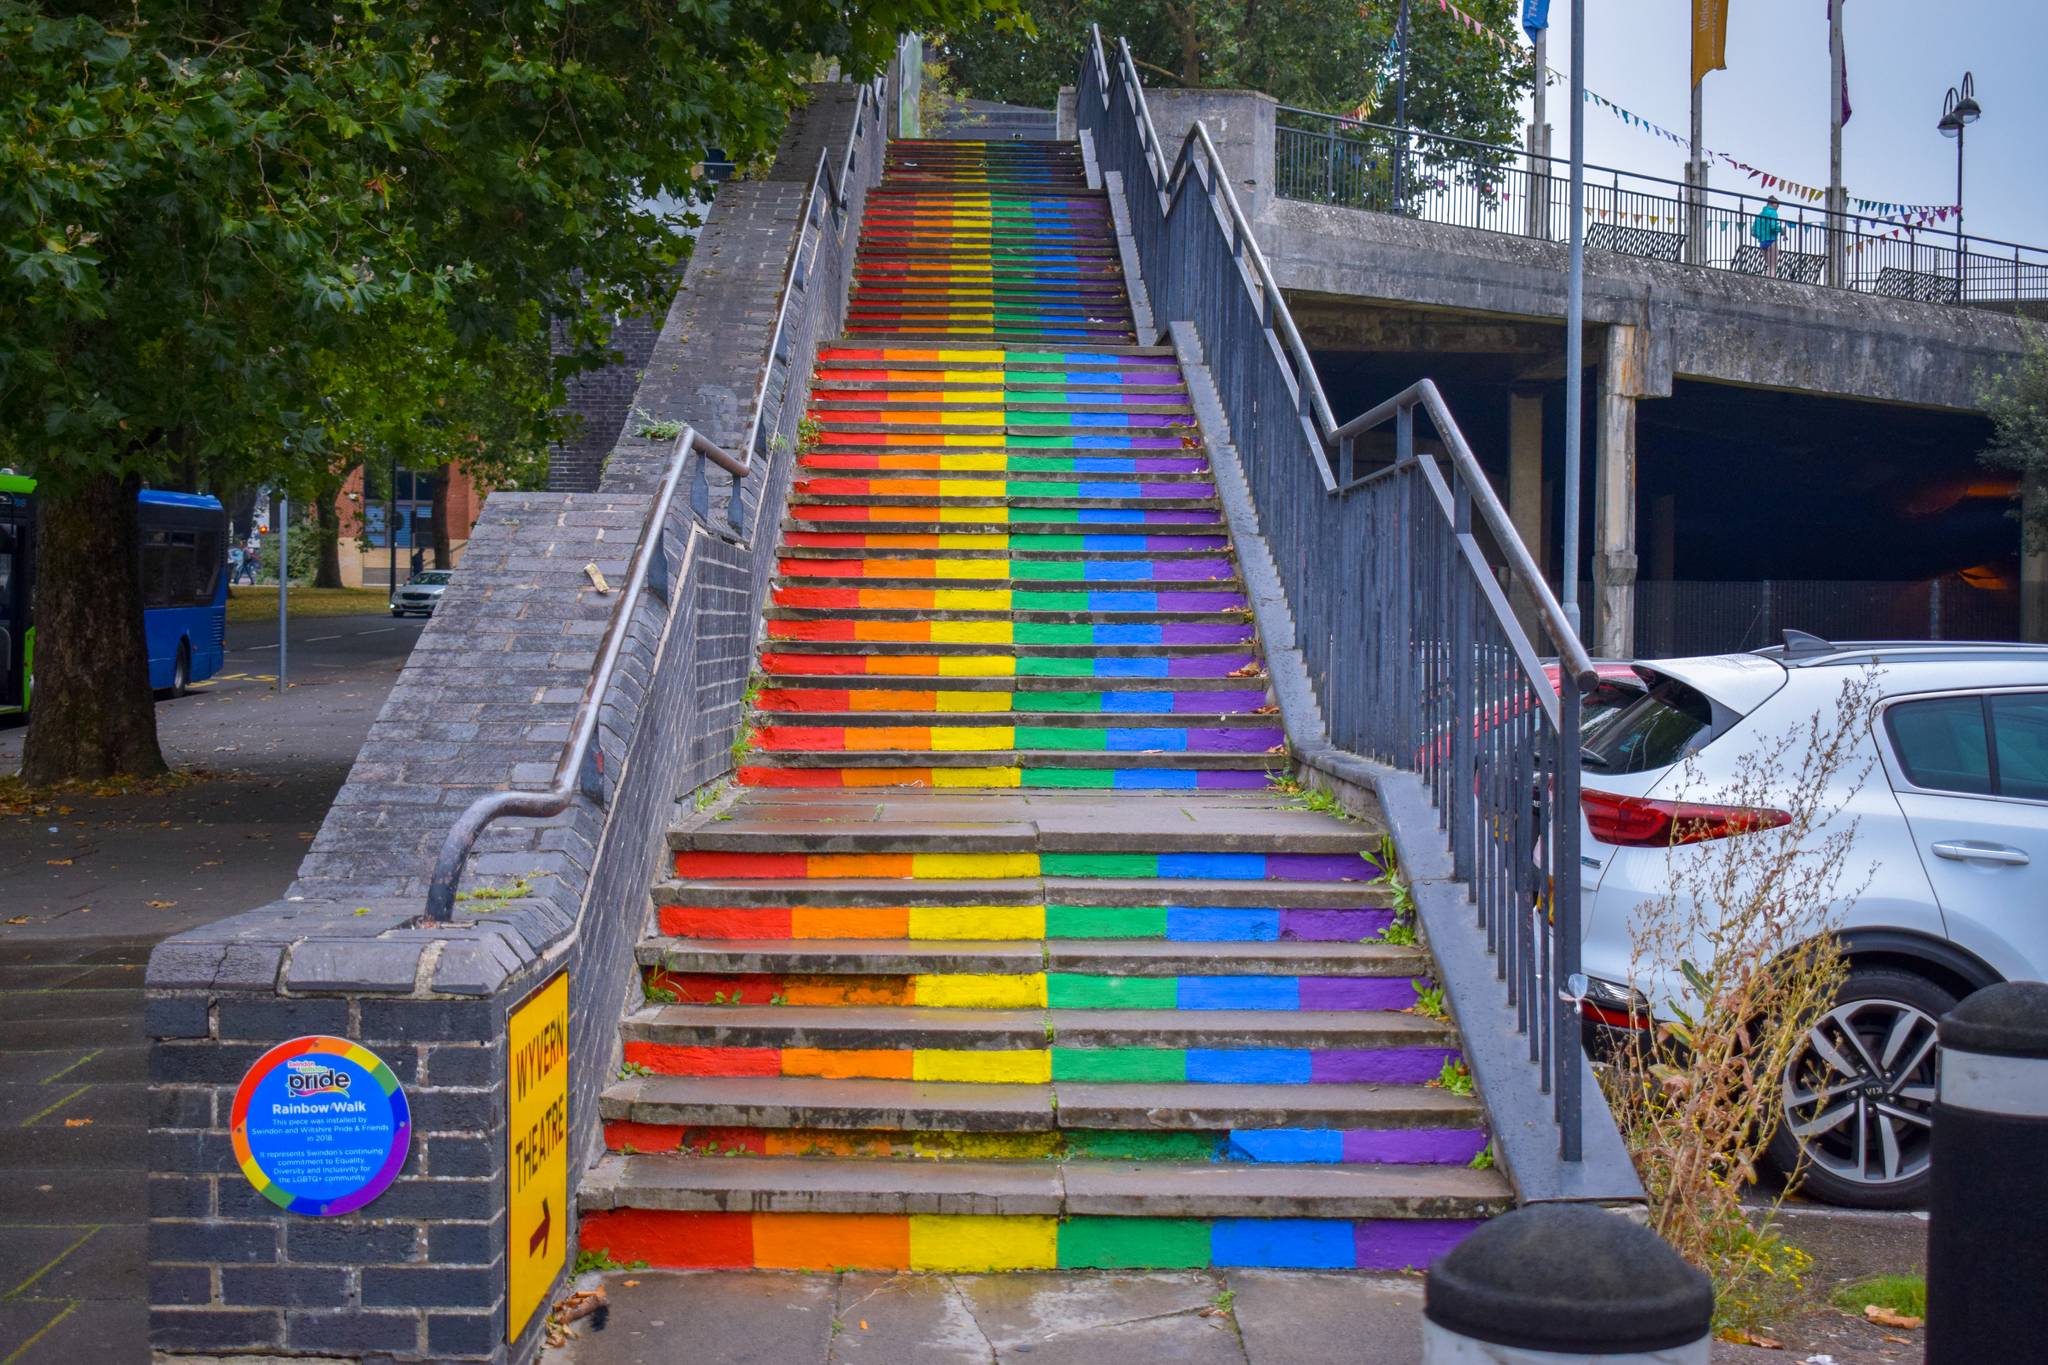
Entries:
{"x":1190,"y":45}
{"x":444,"y":552}
{"x":328,"y":521}
{"x":93,"y":714}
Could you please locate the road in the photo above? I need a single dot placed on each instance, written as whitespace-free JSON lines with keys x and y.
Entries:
{"x":87,"y":884}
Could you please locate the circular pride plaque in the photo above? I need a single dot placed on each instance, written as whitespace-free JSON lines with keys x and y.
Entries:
{"x":320,"y":1125}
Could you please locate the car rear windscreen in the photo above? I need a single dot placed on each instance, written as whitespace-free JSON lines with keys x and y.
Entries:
{"x":1655,"y":730}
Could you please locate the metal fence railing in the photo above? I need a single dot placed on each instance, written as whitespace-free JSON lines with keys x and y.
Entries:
{"x":1679,"y":619}
{"x":1404,"y":626}
{"x":1326,"y":158}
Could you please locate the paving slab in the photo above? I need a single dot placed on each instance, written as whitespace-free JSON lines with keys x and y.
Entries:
{"x":1055,"y":1316}
{"x":1304,"y":1318}
{"x":714,"y":1317}
{"x":907,"y":1320}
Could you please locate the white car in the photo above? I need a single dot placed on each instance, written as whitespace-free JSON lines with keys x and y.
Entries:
{"x":421,"y":593}
{"x":1951,"y":827}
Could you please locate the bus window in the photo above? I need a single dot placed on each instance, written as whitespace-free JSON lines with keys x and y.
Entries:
{"x":6,"y":565}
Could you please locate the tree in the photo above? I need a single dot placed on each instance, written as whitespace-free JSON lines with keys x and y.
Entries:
{"x":1329,"y":55}
{"x":201,"y":200}
{"x":2017,"y":403}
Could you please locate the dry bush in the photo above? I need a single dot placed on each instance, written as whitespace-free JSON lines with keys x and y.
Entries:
{"x":1746,"y":924}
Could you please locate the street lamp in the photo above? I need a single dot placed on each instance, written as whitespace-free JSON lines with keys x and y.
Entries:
{"x":1958,"y":111}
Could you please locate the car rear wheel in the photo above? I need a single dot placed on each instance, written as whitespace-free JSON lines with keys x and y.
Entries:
{"x":1858,"y":1098}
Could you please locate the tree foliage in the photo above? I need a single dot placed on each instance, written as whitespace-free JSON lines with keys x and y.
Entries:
{"x":1330,"y":55}
{"x":220,"y":223}
{"x":2017,"y":404}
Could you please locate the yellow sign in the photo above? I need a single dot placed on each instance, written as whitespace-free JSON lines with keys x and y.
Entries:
{"x":537,"y":1168}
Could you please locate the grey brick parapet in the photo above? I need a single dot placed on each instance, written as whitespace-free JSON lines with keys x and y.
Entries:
{"x":483,"y":704}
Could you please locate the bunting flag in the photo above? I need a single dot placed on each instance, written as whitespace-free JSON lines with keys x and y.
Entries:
{"x":1710,"y":37}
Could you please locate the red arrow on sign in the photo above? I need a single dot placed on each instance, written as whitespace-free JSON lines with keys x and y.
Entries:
{"x":538,"y":1243}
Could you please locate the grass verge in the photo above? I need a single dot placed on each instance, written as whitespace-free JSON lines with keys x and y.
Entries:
{"x":247,"y":604}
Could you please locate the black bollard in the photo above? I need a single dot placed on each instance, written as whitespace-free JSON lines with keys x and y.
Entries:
{"x":1557,"y":1282}
{"x":1987,"y":1260}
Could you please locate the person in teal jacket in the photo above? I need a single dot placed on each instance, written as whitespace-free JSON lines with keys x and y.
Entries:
{"x":1767,"y":228}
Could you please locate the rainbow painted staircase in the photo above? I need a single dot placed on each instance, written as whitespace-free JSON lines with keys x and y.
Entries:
{"x":1003,"y":953}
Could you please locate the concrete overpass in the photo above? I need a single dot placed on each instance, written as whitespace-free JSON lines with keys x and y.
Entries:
{"x":1410,"y":291}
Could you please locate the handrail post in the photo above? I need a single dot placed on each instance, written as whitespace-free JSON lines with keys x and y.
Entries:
{"x":1566,"y":882}
{"x":1461,"y":795}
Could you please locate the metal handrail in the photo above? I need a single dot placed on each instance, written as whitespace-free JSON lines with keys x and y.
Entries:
{"x":1573,"y":655}
{"x":1336,"y":159}
{"x":581,"y":764}
{"x":826,"y":193}
{"x":1428,"y":667}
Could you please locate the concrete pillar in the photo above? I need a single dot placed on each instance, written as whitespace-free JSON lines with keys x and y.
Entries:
{"x":1242,"y":125}
{"x":1614,"y":496}
{"x":2033,"y":568}
{"x":1526,"y":506}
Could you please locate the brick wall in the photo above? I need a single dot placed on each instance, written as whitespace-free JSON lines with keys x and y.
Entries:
{"x":485,"y":703}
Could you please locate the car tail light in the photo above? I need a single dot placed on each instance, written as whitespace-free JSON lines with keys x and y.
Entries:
{"x":1639,"y":822}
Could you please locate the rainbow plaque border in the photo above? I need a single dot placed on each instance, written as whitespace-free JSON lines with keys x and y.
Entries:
{"x":361,"y":1065}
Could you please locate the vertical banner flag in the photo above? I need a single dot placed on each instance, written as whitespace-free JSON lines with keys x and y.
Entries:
{"x":1709,"y":37}
{"x":1846,"y":110}
{"x":1535,"y":17}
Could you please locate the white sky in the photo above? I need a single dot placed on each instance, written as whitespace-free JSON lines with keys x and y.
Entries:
{"x":1770,"y":107}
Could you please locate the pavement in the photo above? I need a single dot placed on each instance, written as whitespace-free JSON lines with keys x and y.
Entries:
{"x":87,"y":884}
{"x":1215,"y":1317}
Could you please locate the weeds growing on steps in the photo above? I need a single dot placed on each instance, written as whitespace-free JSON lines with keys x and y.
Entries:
{"x":1455,"y":1077}
{"x":1748,"y":921}
{"x":1400,"y":929}
{"x":1429,"y":1001}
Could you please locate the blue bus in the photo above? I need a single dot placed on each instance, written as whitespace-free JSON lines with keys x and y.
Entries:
{"x":184,"y":588}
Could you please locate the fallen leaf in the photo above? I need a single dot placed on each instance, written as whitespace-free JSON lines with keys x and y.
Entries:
{"x":1896,"y":1340}
{"x":863,"y":1324}
{"x":161,"y":905}
{"x":59,"y":862}
{"x":630,"y":1284}
{"x":1738,"y":1337}
{"x":19,"y":919}
{"x":78,"y":1123}
{"x":1885,"y":1317}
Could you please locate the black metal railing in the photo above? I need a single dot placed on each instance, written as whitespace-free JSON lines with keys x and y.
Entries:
{"x":1403,"y":620}
{"x":1330,"y":159}
{"x":817,"y":260}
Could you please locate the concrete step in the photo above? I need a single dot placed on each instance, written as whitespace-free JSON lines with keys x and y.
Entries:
{"x":1153,"y":499}
{"x":1178,"y":923}
{"x":932,"y":734}
{"x":1248,"y":719}
{"x":1079,"y":837}
{"x":1136,"y":659}
{"x":1089,"y":957}
{"x":1142,"y":600}
{"x":795,"y":690}
{"x":1095,"y":893}
{"x":1051,"y":554}
{"x":1002,"y":567}
{"x":1017,"y":758}
{"x":1073,"y":1189}
{"x":876,"y":1027}
{"x":939,"y":1106}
